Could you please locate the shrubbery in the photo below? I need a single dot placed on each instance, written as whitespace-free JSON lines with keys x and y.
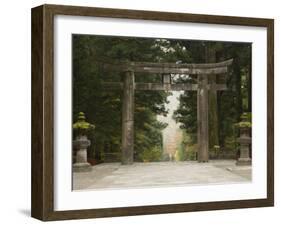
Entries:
{"x":151,"y":155}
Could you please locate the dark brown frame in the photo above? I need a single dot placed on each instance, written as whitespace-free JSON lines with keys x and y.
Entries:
{"x":42,"y":112}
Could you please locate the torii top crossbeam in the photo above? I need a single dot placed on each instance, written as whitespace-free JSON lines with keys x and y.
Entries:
{"x":171,"y":68}
{"x":167,"y":69}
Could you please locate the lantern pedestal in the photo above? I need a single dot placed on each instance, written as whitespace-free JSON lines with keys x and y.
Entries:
{"x":81,"y":144}
{"x":244,"y":140}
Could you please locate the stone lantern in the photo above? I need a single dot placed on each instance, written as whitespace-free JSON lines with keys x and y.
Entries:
{"x":245,"y":141}
{"x":81,"y":143}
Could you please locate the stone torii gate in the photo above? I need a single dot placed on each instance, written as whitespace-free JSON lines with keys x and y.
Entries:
{"x":166,"y":69}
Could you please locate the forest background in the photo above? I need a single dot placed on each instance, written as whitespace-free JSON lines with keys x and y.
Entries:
{"x":103,"y":108}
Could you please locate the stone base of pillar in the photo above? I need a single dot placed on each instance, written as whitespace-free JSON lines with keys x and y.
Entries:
{"x":244,"y":162}
{"x":127,"y":162}
{"x":203,"y":161}
{"x":82,"y":167}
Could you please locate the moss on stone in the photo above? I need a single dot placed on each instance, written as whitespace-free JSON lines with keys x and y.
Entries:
{"x":81,"y":126}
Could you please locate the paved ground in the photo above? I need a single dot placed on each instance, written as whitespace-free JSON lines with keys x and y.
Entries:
{"x":115,"y":175}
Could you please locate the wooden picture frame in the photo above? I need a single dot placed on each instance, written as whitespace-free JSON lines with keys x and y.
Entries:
{"x":43,"y":112}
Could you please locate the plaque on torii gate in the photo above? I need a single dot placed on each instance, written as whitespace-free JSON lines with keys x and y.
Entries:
{"x":166,"y":69}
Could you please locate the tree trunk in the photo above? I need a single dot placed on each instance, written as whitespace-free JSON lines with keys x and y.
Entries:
{"x":98,"y":148}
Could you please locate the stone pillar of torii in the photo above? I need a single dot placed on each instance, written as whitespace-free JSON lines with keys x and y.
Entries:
{"x":129,"y":86}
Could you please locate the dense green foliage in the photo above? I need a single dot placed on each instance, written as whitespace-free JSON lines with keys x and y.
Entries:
{"x":103,"y":108}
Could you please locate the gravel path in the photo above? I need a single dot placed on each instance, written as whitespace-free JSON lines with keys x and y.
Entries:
{"x":138,"y":175}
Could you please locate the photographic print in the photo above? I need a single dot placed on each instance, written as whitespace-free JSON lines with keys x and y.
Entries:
{"x":141,"y":112}
{"x":150,"y":112}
